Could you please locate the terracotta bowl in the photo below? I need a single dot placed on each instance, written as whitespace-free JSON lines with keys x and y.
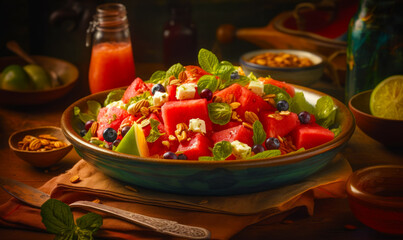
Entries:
{"x":208,"y":177}
{"x":304,"y":76}
{"x":376,"y":197}
{"x":40,"y":159}
{"x":386,"y":131}
{"x":67,"y":72}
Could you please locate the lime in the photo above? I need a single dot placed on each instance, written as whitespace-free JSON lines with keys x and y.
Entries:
{"x":134,"y":142}
{"x":387,"y":98}
{"x":39,"y":76}
{"x":14,"y":78}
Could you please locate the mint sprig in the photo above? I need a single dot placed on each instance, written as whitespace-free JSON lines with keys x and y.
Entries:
{"x":259,"y":135}
{"x":219,"y":113}
{"x":58,"y":219}
{"x":154,"y":132}
{"x":221,"y":151}
{"x":207,"y":60}
{"x":209,"y":82}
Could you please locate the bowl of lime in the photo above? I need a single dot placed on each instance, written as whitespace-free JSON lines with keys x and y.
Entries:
{"x":379,"y":112}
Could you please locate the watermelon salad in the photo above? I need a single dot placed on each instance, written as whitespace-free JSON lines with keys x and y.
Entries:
{"x":210,"y":112}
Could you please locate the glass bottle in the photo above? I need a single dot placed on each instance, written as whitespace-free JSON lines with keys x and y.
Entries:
{"x":112,"y":63}
{"x":375,"y":45}
{"x":180,"y":37}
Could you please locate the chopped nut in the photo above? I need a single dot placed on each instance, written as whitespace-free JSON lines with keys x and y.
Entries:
{"x":235,"y":105}
{"x":284,"y":113}
{"x":166,"y":143}
{"x":96,"y":200}
{"x":230,"y":98}
{"x":182,"y":76}
{"x":48,"y":137}
{"x":144,"y":111}
{"x":44,"y":142}
{"x":93,"y":129}
{"x":217,"y":99}
{"x":58,"y":144}
{"x":35,"y":145}
{"x":251,"y":117}
{"x":135,"y":108}
{"x":144,"y":123}
{"x":171,"y":137}
{"x":75,"y":179}
{"x":175,"y":82}
{"x":247,"y":125}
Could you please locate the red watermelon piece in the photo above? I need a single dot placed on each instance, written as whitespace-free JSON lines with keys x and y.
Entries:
{"x":199,"y":145}
{"x":278,"y":127}
{"x":310,"y":135}
{"x":239,"y":133}
{"x":287,"y":87}
{"x":110,"y":117}
{"x":137,"y":87}
{"x":182,"y":111}
{"x":235,"y":89}
{"x":171,"y":90}
{"x":193,"y":73}
{"x":231,"y":124}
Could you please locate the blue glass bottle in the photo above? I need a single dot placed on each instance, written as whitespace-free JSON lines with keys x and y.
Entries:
{"x":374,"y":45}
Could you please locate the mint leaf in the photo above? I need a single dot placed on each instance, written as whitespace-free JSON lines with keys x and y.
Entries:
{"x":219,"y":113}
{"x":207,"y":158}
{"x":157,"y":76}
{"x":243,"y":80}
{"x":93,"y":107}
{"x":113,"y":96}
{"x":281,"y":94}
{"x":174,"y":70}
{"x":207,"y":60}
{"x":88,"y":224}
{"x":325,"y":111}
{"x":57,"y":218}
{"x":222,"y":150}
{"x":224,"y":70}
{"x":84,"y":117}
{"x":299,"y":104}
{"x":154,"y":132}
{"x":336,"y":131}
{"x":266,"y":154}
{"x":259,"y":135}
{"x":207,"y":81}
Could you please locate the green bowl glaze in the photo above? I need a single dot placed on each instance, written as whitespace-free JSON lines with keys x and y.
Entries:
{"x":209,"y":178}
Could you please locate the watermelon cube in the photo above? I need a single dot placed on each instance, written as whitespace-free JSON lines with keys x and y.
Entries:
{"x":199,"y":145}
{"x":240,"y":133}
{"x":182,"y":111}
{"x":276,"y":125}
{"x":310,"y":135}
{"x":110,"y":117}
{"x":137,"y":87}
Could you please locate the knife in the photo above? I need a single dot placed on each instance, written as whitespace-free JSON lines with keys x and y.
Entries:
{"x":36,"y":198}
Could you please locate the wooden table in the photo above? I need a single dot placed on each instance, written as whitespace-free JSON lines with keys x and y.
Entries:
{"x":328,"y":221}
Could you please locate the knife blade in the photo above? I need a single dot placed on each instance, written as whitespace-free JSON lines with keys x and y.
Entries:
{"x":36,"y":198}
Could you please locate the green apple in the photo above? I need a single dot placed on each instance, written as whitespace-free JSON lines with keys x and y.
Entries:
{"x":39,"y":76}
{"x":15,"y":78}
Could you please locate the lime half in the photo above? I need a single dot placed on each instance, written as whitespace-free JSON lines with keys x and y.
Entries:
{"x":387,"y":98}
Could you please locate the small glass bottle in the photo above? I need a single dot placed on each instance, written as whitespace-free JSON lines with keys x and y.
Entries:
{"x":112,"y":63}
{"x":375,"y":45}
{"x":180,"y":37}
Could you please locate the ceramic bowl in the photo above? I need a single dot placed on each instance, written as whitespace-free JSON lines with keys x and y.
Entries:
{"x":376,"y":197}
{"x":205,"y":177}
{"x":304,"y":76}
{"x":40,"y":159}
{"x":386,"y":131}
{"x":67,"y":72}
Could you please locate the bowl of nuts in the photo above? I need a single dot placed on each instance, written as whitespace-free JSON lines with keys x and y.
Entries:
{"x":293,"y":66}
{"x":41,"y":147}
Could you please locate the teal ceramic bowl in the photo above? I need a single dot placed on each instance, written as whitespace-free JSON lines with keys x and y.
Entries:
{"x":209,"y":178}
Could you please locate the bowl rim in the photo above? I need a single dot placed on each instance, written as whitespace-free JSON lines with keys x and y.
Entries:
{"x":66,"y":85}
{"x":339,"y":141}
{"x":243,"y":61}
{"x":364,"y":196}
{"x":367,"y":115}
{"x":69,"y":144}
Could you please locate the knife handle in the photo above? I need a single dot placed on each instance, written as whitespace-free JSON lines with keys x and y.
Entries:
{"x":160,"y":225}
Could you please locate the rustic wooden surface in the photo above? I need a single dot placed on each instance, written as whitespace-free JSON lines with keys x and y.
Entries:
{"x":328,"y":221}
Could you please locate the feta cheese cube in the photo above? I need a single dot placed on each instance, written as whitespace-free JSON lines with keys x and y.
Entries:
{"x":160,"y":98}
{"x":197,"y":125}
{"x":186,"y":91}
{"x":241,"y":150}
{"x":257,"y":87}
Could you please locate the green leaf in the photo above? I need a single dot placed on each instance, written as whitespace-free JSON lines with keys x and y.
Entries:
{"x":113,"y":96}
{"x":336,"y":131}
{"x":219,"y":113}
{"x":157,"y":76}
{"x":299,"y":104}
{"x":207,"y":81}
{"x":243,"y":80}
{"x":281,"y":94}
{"x":325,"y":111}
{"x":88,"y":224}
{"x":154,"y":132}
{"x":84,"y":117}
{"x":207,"y":158}
{"x":224,"y":70}
{"x":57,"y":217}
{"x":266,"y":154}
{"x":259,"y":135}
{"x":222,"y":150}
{"x":174,"y":70}
{"x":207,"y":60}
{"x":146,"y":96}
{"x":93,"y":107}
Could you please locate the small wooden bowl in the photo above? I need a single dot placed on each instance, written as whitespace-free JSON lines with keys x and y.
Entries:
{"x":386,"y":131}
{"x":40,"y":159}
{"x":67,"y":72}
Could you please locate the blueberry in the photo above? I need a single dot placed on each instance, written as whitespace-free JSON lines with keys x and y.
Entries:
{"x":282,"y":105}
{"x":116,"y":142}
{"x":158,"y":87}
{"x":272,"y":143}
{"x":304,"y":117}
{"x":257,"y":148}
{"x":110,"y":134}
{"x":235,"y":75}
{"x":207,"y":94}
{"x":182,"y":156}
{"x":125,"y":129}
{"x":88,"y":124}
{"x":83,"y":132}
{"x":170,"y":155}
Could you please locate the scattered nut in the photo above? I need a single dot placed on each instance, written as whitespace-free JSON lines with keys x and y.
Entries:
{"x":281,"y":60}
{"x":75,"y":179}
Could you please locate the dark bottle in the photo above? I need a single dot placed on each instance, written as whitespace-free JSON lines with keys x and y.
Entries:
{"x":375,"y":45}
{"x":180,"y":37}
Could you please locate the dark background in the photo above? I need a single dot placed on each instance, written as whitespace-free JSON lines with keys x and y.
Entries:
{"x":32,"y":24}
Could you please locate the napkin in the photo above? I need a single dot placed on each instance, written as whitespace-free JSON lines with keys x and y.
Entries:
{"x":224,"y":216}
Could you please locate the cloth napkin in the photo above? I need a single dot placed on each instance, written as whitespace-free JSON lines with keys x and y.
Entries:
{"x":224,"y":216}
